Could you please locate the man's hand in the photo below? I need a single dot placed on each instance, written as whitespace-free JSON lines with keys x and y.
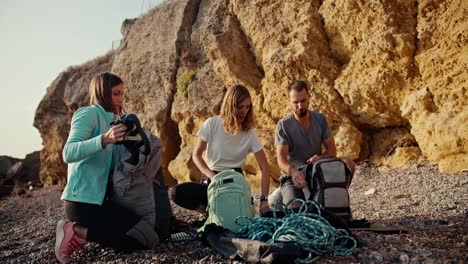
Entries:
{"x":264,"y":207}
{"x":313,"y":159}
{"x":298,"y":178}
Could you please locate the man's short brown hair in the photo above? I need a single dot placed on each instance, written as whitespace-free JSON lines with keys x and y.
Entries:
{"x":298,"y":86}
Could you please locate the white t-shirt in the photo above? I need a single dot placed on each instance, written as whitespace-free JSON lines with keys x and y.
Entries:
{"x":224,"y":150}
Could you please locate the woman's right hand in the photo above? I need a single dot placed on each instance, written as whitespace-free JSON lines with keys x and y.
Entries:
{"x":211,"y":175}
{"x":197,"y":158}
{"x":115,"y":134}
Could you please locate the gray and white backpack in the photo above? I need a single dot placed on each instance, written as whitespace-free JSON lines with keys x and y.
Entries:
{"x":329,"y":180}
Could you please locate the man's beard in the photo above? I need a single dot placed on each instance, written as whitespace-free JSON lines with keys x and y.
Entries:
{"x":302,"y":112}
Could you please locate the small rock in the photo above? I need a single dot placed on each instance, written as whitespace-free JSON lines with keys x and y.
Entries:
{"x":451,"y":207}
{"x":370,"y":191}
{"x":362,"y":258}
{"x":404,"y":258}
{"x":415,"y":260}
{"x":460,"y":245}
{"x":425,"y":252}
{"x":204,"y":259}
{"x":407,"y":249}
{"x":443,"y":222}
{"x":376,"y":256}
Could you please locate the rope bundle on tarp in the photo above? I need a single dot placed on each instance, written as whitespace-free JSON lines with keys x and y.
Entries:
{"x":305,"y":227}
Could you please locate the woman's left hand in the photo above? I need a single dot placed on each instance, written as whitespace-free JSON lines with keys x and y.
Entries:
{"x":264,"y":207}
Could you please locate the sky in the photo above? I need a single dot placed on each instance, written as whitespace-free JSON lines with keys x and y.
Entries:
{"x":40,"y":39}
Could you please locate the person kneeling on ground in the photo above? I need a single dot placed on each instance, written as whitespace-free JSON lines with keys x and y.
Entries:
{"x":91,"y":216}
{"x":298,"y":138}
{"x":228,"y":138}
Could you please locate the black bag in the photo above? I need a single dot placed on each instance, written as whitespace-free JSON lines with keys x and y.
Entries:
{"x":328,"y":180}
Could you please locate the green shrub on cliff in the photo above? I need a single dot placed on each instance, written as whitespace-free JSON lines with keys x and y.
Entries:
{"x":183,"y":82}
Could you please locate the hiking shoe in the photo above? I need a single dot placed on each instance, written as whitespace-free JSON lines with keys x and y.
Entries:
{"x":66,"y":241}
{"x":183,"y":236}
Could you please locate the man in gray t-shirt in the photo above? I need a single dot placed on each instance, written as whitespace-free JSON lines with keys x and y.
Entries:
{"x":298,"y":139}
{"x":302,"y":144}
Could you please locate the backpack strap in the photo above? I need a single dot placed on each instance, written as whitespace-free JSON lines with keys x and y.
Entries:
{"x":307,"y":172}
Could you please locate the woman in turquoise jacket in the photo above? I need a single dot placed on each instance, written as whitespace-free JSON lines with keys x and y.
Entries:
{"x":89,"y":155}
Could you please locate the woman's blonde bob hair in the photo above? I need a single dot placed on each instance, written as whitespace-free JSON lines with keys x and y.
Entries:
{"x":100,"y":90}
{"x":230,"y":110}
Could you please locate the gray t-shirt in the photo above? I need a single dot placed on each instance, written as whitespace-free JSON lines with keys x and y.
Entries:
{"x":302,"y":145}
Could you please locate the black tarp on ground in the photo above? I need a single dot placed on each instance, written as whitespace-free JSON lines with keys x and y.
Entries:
{"x":228,"y":244}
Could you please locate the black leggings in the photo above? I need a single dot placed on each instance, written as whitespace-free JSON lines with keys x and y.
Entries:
{"x":192,"y":195}
{"x":189,"y":195}
{"x":107,"y":223}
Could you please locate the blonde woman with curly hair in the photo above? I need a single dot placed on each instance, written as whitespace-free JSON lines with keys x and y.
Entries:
{"x":227,"y":138}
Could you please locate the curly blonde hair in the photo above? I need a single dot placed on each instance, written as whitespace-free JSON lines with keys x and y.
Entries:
{"x":230,"y":110}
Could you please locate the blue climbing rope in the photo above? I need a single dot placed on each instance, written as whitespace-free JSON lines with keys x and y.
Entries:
{"x":305,"y":227}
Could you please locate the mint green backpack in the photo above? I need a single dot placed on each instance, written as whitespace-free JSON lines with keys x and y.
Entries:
{"x":228,"y":198}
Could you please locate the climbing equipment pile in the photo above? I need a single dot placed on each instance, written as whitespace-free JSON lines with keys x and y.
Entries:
{"x":305,"y":227}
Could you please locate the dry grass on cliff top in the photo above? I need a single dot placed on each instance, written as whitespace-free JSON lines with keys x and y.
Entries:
{"x":431,"y":205}
{"x":92,"y":63}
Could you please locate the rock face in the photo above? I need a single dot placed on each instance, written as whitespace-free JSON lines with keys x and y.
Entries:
{"x":19,"y":175}
{"x":374,"y":43}
{"x":391,"y":77}
{"x":438,"y":110}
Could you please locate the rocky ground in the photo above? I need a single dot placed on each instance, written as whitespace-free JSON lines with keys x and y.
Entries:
{"x":430,"y":205}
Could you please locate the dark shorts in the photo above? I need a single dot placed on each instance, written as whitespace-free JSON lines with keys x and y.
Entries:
{"x":192,"y":195}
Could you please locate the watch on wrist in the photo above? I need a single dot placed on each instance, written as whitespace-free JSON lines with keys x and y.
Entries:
{"x":263,"y":198}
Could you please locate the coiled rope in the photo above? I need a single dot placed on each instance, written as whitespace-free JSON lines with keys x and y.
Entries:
{"x":305,"y":227}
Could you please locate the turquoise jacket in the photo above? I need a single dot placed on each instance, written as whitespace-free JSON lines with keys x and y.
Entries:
{"x":89,"y":164}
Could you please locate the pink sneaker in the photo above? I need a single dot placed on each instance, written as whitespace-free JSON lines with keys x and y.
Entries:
{"x":66,"y":241}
